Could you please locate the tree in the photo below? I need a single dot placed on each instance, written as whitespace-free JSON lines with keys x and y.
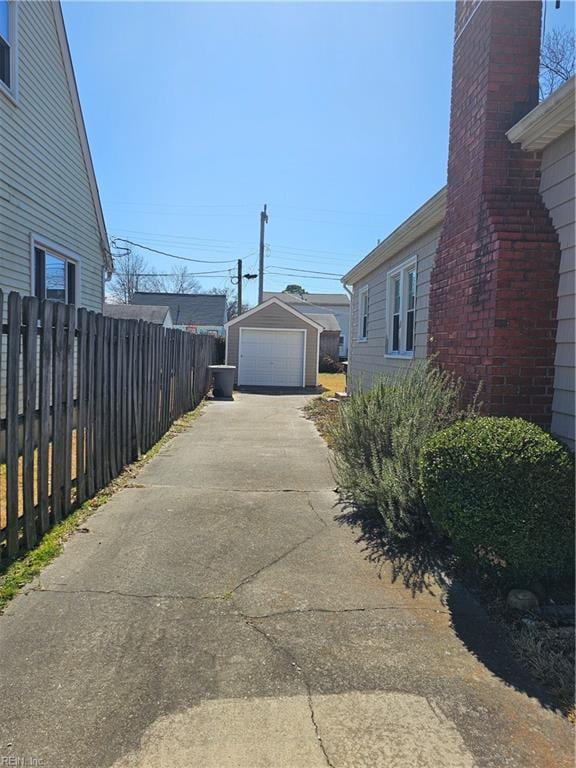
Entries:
{"x":557,"y":59}
{"x":231,"y":300}
{"x":179,"y":281}
{"x":126,"y":279}
{"x":294,"y":288}
{"x":132,"y":274}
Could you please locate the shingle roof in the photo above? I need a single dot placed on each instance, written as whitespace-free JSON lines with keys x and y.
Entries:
{"x":150,"y":313}
{"x":341,"y":299}
{"x":327,"y":319}
{"x":320,"y":314}
{"x":188,"y":308}
{"x":318,"y":299}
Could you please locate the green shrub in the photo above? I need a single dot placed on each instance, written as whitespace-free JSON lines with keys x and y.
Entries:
{"x":377,"y":438}
{"x":503,"y":490}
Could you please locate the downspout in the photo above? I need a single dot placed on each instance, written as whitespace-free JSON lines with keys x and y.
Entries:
{"x":351,"y":295}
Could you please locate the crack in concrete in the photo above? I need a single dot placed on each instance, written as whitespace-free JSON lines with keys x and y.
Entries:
{"x":344,"y":610}
{"x":145,"y":596}
{"x":314,"y":510}
{"x":278,"y":648}
{"x":276,"y":560}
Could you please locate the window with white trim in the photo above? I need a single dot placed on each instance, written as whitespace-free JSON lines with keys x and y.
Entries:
{"x":363,"y":310}
{"x":55,"y":276}
{"x":402,"y":309}
{"x":7,"y":42}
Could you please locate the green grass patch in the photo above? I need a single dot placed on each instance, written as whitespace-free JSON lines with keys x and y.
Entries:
{"x":17,"y":573}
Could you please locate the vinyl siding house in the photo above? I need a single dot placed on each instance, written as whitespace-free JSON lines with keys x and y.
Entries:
{"x":483,"y":275}
{"x":549,"y":129}
{"x":53,"y":240}
{"x":336,"y":304}
{"x":191,"y":312}
{"x":390,"y":296}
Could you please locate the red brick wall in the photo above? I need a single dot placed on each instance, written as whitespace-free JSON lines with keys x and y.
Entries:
{"x":493,"y":286}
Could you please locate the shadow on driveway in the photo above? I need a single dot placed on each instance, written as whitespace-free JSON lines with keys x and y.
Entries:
{"x":424,"y":569}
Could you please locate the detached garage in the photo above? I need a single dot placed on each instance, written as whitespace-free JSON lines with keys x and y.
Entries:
{"x":273,"y":345}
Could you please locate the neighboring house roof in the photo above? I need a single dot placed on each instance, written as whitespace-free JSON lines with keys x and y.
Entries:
{"x":188,"y":308}
{"x":320,"y":314}
{"x":318,"y":299}
{"x":340,"y":299}
{"x":284,"y":305}
{"x":547,"y":121}
{"x":326,"y":319}
{"x":428,"y":216}
{"x":82,"y":135}
{"x":148,"y":312}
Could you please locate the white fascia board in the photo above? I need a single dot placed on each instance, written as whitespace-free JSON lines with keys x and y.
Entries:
{"x":548,"y":121}
{"x":267,"y":303}
{"x":430,"y":215}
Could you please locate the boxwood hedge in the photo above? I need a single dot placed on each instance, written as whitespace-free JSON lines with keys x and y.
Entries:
{"x":503,"y":491}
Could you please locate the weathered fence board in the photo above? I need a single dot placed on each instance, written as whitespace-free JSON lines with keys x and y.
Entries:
{"x":85,"y":395}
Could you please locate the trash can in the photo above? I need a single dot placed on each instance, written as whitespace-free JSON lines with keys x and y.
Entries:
{"x":223,"y":380}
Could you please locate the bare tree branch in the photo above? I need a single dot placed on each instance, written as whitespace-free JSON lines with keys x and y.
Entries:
{"x":557,"y":60}
{"x":126,"y":281}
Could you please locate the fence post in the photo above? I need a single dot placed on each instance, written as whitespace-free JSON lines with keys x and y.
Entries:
{"x":30,"y":307}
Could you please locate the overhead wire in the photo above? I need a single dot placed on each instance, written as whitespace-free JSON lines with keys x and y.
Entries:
{"x":172,"y":255}
{"x":308,"y":271}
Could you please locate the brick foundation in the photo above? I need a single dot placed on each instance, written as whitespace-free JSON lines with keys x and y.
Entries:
{"x":492,"y":315}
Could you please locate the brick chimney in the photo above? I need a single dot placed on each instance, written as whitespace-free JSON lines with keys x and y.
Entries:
{"x":492,"y":315}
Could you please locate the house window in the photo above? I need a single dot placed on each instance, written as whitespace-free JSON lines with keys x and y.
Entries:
{"x":363,"y":316}
{"x":7,"y":42}
{"x":55,"y":276}
{"x":402,"y":308}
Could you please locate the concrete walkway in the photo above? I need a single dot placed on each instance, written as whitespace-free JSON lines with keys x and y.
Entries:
{"x":217,"y":615}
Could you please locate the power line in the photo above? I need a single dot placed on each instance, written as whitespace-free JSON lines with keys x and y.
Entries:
{"x":151,"y":204}
{"x":308,"y":277}
{"x":309,"y":271}
{"x":171,"y":255}
{"x":212,"y":273}
{"x":179,"y":237}
{"x":229,"y":244}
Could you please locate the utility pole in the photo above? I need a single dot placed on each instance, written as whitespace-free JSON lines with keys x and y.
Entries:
{"x":263,"y":222}
{"x":239,"y":307}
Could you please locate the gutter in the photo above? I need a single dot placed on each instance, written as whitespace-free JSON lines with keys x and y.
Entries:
{"x":428,"y":216}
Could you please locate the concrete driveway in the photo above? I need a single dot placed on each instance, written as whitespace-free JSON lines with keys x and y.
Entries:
{"x":217,"y":614}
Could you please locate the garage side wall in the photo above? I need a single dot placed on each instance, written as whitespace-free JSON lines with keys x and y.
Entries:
{"x":274,"y":316}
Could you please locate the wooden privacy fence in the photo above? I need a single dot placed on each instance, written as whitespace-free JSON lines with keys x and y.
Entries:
{"x":81,"y":396}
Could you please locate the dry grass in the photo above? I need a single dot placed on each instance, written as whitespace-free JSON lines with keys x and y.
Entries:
{"x":332,"y":383}
{"x":35,"y":480}
{"x":322,"y":412}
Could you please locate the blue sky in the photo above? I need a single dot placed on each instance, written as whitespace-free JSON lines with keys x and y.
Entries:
{"x":334,"y":114}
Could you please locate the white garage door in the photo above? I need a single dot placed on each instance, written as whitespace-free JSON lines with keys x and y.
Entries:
{"x":273,"y":358}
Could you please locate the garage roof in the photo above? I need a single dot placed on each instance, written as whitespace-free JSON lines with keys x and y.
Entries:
{"x":275,"y":300}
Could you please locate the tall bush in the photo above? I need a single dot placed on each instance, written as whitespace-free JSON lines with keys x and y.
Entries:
{"x":503,"y":490}
{"x":377,"y":439}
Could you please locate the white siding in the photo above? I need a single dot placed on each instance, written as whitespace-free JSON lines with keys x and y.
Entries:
{"x":44,"y":186}
{"x":557,"y":187}
{"x":367,"y":358}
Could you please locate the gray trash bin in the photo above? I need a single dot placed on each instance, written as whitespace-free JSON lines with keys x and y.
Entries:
{"x":223,"y":380}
